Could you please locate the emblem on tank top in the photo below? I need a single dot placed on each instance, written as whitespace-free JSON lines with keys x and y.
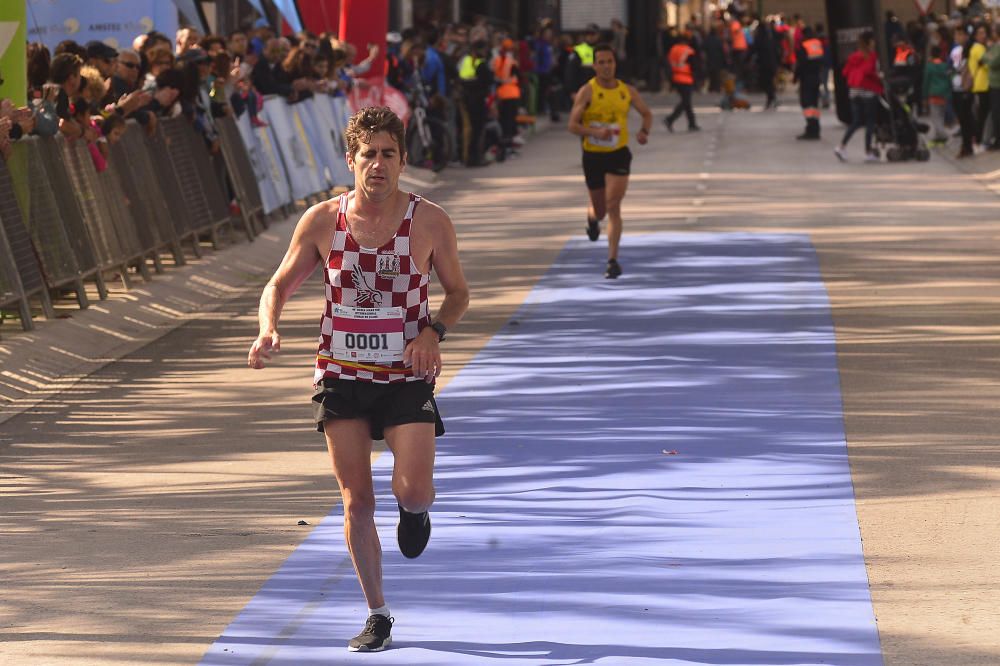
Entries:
{"x":388,"y":266}
{"x":367,"y":295}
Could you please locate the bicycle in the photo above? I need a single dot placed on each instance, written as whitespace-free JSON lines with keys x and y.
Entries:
{"x":428,"y":142}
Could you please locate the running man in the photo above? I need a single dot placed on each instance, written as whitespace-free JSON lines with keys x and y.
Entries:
{"x":600,"y":116}
{"x":378,"y":351}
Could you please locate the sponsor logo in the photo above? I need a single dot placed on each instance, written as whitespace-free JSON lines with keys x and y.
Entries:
{"x":428,"y":407}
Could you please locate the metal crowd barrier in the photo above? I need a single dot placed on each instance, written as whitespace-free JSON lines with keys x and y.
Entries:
{"x":62,"y":222}
{"x":29,"y":280}
{"x":241,"y":175}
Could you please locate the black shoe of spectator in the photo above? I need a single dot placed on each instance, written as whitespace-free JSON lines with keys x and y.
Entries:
{"x":694,"y":128}
{"x":669,"y":123}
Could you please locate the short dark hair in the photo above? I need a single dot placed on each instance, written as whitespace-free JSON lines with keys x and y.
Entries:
{"x":71,"y":46}
{"x":64,"y":66}
{"x":371,"y":120}
{"x":604,"y":46}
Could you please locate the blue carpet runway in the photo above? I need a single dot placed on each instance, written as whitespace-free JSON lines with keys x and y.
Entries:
{"x":645,"y":471}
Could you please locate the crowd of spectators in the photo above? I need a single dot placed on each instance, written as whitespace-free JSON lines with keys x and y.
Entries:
{"x":482,"y":81}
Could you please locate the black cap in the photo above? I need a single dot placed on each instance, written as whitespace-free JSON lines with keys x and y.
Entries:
{"x":593,"y":27}
{"x":96,"y":49}
{"x":194,"y":55}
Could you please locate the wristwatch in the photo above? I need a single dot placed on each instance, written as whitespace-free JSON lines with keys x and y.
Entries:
{"x":440,"y":329}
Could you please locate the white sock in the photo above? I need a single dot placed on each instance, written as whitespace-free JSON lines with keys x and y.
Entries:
{"x":381,"y":610}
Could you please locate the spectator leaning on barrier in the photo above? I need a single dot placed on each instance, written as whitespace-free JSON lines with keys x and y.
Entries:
{"x":187,"y":38}
{"x":65,"y":73}
{"x":268,"y":75}
{"x":102,"y":57}
{"x":298,"y":69}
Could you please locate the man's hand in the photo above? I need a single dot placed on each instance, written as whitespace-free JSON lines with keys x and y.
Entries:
{"x":133,"y":100}
{"x":642,"y":137}
{"x":603,"y":133}
{"x":423,"y":354}
{"x":262,"y":348}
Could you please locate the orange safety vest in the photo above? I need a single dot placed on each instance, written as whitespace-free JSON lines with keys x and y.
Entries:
{"x":813,"y":48}
{"x":680,"y":68}
{"x":903,"y":55}
{"x":739,"y":39}
{"x":502,"y":70}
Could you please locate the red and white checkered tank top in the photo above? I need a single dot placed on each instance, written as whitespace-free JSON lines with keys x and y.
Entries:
{"x":368,"y":283}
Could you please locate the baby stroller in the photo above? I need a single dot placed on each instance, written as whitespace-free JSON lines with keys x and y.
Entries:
{"x":898,"y":132}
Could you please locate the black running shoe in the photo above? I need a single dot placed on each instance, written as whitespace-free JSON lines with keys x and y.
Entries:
{"x":668,"y":121}
{"x":375,"y":637}
{"x":413,"y":531}
{"x":613,"y":270}
{"x":593,"y":229}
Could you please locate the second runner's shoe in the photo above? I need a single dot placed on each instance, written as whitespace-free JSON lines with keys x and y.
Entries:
{"x":613,"y":270}
{"x":375,"y":637}
{"x":593,"y":229}
{"x":413,"y":531}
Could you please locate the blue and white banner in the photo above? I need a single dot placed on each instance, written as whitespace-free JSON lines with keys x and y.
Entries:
{"x":114,"y":22}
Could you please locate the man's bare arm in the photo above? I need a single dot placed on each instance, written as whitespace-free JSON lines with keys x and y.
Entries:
{"x":647,"y":115}
{"x":580,"y":104}
{"x":298,"y":264}
{"x":423,"y":353}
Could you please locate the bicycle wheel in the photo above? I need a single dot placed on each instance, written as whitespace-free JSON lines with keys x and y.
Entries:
{"x":441,"y":149}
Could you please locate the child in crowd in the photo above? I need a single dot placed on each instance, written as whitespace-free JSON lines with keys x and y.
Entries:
{"x":937,"y":93}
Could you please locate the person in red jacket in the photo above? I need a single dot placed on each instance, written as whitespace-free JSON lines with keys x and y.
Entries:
{"x":864,"y":85}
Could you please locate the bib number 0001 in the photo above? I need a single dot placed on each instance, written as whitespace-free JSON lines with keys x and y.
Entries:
{"x":361,"y":341}
{"x":367,"y":334}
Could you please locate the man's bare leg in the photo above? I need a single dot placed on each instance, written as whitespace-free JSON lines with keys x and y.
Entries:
{"x":614,"y":193}
{"x":350,"y":445}
{"x":412,"y":446}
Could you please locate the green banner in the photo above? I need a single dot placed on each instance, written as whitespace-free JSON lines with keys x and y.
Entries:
{"x":13,"y":67}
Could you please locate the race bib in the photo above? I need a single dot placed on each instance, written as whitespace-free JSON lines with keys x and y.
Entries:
{"x":367,"y":334}
{"x":605,"y":143}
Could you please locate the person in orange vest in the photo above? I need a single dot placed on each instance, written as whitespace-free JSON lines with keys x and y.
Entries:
{"x":808,"y":66}
{"x":508,"y":92}
{"x":904,"y":70}
{"x":600,"y":118}
{"x":681,"y":59}
{"x":737,"y":48}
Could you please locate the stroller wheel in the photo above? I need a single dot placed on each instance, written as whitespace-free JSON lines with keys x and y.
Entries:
{"x":894,"y":154}
{"x":922,"y":154}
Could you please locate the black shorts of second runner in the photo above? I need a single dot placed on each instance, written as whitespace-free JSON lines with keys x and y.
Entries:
{"x":596,"y":165}
{"x":382,"y":405}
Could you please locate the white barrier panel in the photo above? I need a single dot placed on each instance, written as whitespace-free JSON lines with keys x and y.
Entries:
{"x":293,"y":145}
{"x":319,"y":141}
{"x":267,"y":167}
{"x":326,"y":110}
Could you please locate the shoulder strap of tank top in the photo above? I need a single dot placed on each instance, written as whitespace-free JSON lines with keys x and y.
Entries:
{"x":404,"y":228}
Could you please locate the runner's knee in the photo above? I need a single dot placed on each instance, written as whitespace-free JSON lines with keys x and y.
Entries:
{"x":358,"y":505}
{"x":414,"y":497}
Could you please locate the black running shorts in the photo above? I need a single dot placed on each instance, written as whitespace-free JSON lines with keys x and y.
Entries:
{"x":382,"y":405}
{"x":596,"y":165}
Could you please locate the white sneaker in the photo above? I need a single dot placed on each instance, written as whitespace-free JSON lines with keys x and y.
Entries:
{"x":840,"y":153}
{"x":978,"y":149}
{"x":871,"y":157}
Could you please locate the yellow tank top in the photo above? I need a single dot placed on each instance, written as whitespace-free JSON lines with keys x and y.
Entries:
{"x":608,"y":108}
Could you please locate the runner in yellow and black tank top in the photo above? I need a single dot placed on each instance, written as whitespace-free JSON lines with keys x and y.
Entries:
{"x":608,"y":108}
{"x":600,"y":118}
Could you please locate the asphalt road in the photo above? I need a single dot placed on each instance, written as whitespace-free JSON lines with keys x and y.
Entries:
{"x":143,"y":503}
